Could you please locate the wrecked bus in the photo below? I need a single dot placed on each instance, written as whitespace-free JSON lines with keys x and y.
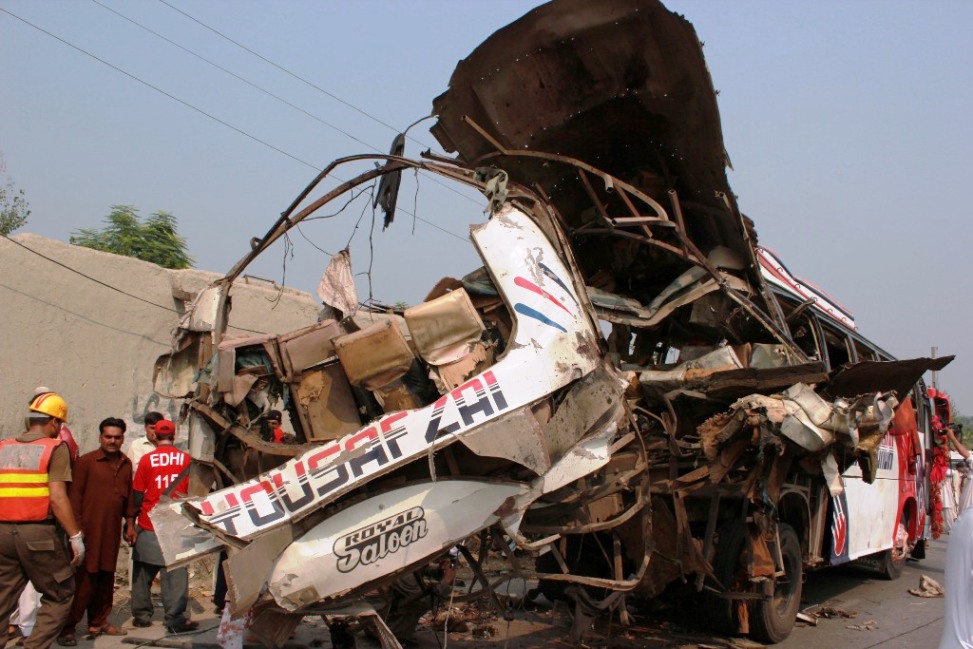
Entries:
{"x":626,"y":387}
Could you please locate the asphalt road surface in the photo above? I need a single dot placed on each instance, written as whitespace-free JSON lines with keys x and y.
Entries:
{"x":881,"y":615}
{"x":885,"y":616}
{"x":900,"y":619}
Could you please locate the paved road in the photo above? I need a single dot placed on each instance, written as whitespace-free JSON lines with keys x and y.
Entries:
{"x":900,"y":620}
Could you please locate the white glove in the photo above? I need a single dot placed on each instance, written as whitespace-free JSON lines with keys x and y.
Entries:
{"x":77,"y":547}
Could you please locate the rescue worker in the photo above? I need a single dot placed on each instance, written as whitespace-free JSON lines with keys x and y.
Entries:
{"x":163,"y":470}
{"x":34,"y":471}
{"x":65,"y":435}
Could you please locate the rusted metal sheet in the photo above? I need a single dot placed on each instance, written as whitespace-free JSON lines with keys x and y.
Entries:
{"x":883,"y":376}
{"x":566,"y":74}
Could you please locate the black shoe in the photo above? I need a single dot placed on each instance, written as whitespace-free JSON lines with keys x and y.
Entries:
{"x":141,"y":623}
{"x":184,"y":627}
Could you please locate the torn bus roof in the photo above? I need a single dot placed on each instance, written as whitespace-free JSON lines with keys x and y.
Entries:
{"x":565,"y":76}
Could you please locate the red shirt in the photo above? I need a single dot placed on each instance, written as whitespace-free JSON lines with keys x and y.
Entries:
{"x":157,"y":469}
{"x":68,"y":438}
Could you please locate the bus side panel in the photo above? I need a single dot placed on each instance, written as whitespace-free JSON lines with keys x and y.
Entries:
{"x":838,"y":518}
{"x":873,"y":509}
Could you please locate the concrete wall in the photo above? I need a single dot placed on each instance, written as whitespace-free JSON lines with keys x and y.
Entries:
{"x":97,"y":346}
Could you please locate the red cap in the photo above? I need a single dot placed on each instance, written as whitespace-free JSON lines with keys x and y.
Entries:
{"x":165,"y":427}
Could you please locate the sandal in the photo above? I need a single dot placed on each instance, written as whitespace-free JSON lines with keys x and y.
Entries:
{"x":183,"y":627}
{"x":67,"y":639}
{"x":108,"y":629}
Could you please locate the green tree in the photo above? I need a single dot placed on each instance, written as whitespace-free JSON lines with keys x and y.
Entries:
{"x":155,"y":240}
{"x":13,"y":205}
{"x":967,"y":423}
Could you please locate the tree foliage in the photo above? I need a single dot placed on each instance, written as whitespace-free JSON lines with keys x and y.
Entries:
{"x":13,"y":205}
{"x":155,"y":239}
{"x":967,"y":423}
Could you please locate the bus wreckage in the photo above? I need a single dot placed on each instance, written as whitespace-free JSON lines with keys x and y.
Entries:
{"x":628,"y":389}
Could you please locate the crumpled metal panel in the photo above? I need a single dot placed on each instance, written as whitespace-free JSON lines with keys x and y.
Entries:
{"x":202,"y":314}
{"x":882,"y":376}
{"x":176,"y":374}
{"x":384,"y":535}
{"x":564,"y":77}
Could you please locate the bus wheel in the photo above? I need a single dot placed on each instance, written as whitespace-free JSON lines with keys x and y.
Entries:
{"x":891,"y":562}
{"x":771,"y":620}
{"x":721,"y":613}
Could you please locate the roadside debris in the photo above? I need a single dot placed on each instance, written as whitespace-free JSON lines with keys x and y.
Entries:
{"x":830,"y":612}
{"x":869,"y":625}
{"x":928,"y":587}
{"x":807,"y":618}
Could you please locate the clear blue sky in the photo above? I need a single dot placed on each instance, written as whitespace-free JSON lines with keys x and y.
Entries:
{"x":848,"y":124}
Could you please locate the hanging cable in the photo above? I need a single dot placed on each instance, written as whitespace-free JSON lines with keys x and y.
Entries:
{"x":277,"y":97}
{"x":203,"y":112}
{"x":236,"y":76}
{"x":160,"y":90}
{"x":289,"y":73}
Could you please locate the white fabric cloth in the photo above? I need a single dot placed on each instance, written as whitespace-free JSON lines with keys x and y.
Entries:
{"x":139,"y":447}
{"x":958,"y":621}
{"x":26,"y":615}
{"x":966,"y":496}
{"x":948,"y":496}
{"x":232,"y":633}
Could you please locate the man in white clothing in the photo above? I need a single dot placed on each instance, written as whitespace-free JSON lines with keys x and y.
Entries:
{"x":143,"y":445}
{"x":958,"y":621}
{"x":966,"y":494}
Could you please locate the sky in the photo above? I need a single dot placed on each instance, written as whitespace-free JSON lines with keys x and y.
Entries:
{"x":847,"y":123}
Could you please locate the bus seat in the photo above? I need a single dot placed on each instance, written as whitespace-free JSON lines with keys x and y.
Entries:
{"x":447,"y":332}
{"x":305,"y":348}
{"x":326,"y":406}
{"x":377,"y":358}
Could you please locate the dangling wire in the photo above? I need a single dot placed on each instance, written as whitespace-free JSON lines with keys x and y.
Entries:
{"x":288,"y":250}
{"x":415,"y":202}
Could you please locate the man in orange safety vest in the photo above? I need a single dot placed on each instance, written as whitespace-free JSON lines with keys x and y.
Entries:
{"x":34,"y":471}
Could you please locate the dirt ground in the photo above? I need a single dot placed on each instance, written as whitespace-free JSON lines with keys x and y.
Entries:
{"x":884,"y":616}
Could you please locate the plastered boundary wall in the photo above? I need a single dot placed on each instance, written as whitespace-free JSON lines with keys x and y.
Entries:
{"x":97,"y":346}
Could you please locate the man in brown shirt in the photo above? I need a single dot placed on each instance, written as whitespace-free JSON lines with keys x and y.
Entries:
{"x":34,"y":472}
{"x":100,"y":497}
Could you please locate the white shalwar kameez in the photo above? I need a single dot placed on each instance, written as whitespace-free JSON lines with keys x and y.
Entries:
{"x":958,"y":621}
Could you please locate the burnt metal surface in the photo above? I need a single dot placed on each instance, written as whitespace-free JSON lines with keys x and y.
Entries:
{"x":882,"y":376}
{"x":566,"y":75}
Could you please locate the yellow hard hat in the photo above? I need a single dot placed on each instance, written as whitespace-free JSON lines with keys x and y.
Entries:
{"x":50,"y":404}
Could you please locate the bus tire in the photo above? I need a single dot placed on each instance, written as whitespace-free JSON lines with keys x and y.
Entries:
{"x":721,"y":613}
{"x":771,"y":620}
{"x":891,"y":563}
